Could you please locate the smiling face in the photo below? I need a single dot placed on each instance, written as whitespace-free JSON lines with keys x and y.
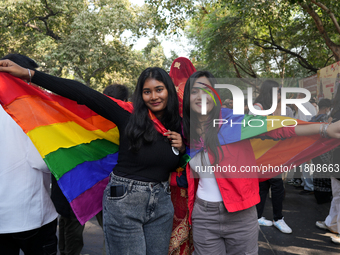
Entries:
{"x":196,"y":97}
{"x":155,"y":96}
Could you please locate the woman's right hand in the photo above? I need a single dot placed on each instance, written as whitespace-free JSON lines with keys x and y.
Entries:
{"x":12,"y":68}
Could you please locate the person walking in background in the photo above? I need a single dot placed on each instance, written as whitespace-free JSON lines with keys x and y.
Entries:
{"x":332,"y":221}
{"x":264,"y":102}
{"x":321,"y":180}
{"x":117,"y":91}
{"x":307,"y":179}
{"x":70,"y":230}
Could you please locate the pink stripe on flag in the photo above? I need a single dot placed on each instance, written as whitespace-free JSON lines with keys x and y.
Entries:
{"x":320,"y":146}
{"x":89,"y":203}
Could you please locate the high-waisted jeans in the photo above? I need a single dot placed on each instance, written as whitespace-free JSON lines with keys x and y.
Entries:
{"x":139,"y":221}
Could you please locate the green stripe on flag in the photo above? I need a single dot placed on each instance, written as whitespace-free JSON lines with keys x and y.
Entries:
{"x":254,"y":125}
{"x":65,"y":159}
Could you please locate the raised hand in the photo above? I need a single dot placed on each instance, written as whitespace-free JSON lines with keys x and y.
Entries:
{"x":12,"y":68}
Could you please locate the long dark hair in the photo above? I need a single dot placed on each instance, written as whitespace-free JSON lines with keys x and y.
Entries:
{"x":140,"y":127}
{"x":191,"y":122}
{"x":265,"y":98}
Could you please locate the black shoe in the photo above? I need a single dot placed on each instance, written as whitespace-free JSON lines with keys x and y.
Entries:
{"x":306,"y":192}
{"x":299,"y":187}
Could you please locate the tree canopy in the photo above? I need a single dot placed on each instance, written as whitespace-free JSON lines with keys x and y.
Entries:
{"x":80,"y":39}
{"x":85,"y":39}
{"x":271,"y":38}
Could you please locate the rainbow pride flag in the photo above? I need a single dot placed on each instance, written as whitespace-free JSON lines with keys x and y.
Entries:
{"x":79,"y":146}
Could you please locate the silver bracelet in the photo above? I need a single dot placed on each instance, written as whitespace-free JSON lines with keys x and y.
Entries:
{"x":324,"y":131}
{"x":320,"y":129}
{"x":29,"y":73}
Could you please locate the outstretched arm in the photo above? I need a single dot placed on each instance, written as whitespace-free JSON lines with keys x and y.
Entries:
{"x":325,"y":130}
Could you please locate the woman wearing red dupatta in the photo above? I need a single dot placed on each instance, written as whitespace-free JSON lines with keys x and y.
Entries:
{"x":181,"y":69}
{"x":181,"y":237}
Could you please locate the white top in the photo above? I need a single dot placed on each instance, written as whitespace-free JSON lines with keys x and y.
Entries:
{"x":207,"y":186}
{"x":25,"y":203}
{"x":289,"y":112}
{"x":310,"y":108}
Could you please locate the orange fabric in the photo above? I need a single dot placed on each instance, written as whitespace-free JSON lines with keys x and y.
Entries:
{"x":100,"y":122}
{"x":17,"y":108}
{"x":277,"y":153}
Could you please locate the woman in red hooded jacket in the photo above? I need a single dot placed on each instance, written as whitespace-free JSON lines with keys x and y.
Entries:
{"x":222,"y":204}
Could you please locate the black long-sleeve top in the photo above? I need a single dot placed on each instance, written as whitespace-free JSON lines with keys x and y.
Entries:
{"x":152,"y":163}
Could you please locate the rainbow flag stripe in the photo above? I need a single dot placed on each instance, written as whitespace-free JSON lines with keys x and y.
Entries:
{"x":79,"y":146}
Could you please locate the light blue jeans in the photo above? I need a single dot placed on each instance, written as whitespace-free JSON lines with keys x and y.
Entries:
{"x":307,"y":178}
{"x":140,"y":221}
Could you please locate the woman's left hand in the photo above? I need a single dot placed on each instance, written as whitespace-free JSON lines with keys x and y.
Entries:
{"x":176,"y":140}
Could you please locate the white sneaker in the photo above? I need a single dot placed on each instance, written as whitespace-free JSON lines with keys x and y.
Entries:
{"x":264,"y":222}
{"x":336,"y":239}
{"x":282,"y":226}
{"x":322,"y":225}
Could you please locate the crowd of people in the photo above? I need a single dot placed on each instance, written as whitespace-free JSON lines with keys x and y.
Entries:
{"x":153,"y":203}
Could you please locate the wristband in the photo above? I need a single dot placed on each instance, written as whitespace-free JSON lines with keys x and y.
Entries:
{"x":29,"y":73}
{"x":324,"y":131}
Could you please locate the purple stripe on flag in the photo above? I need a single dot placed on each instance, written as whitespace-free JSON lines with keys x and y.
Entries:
{"x":88,"y":204}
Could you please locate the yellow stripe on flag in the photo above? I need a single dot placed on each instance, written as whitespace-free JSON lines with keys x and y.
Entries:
{"x":66,"y":135}
{"x":275,"y":122}
{"x":260,"y":146}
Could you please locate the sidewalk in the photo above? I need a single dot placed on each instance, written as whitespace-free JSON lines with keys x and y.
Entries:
{"x":300,"y":212}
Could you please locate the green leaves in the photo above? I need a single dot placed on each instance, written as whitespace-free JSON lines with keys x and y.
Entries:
{"x":80,"y":39}
{"x":258,"y":38}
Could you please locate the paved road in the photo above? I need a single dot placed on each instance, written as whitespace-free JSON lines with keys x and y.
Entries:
{"x":300,"y":211}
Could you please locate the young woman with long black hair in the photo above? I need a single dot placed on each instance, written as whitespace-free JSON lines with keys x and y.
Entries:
{"x":332,"y":221}
{"x":137,"y":208}
{"x":222,"y":206}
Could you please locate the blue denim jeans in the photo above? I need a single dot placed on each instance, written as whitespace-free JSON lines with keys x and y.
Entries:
{"x":139,"y":221}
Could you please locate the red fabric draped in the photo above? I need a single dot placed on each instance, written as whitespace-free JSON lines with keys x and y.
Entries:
{"x":181,"y":238}
{"x":181,"y":69}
